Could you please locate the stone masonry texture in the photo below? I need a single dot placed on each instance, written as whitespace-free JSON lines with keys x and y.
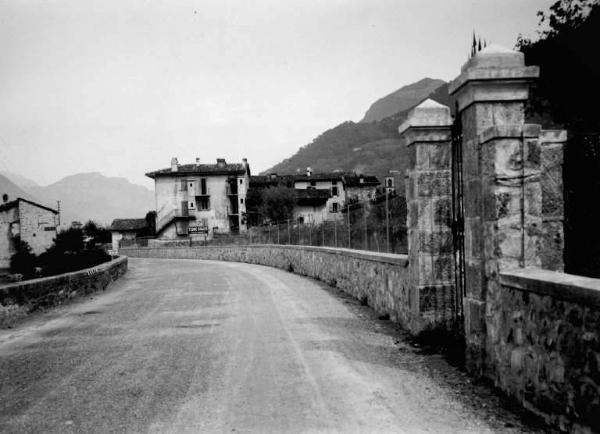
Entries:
{"x":51,"y":291}
{"x":545,"y":351}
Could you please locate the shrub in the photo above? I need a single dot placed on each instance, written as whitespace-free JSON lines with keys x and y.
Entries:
{"x":22,"y":261}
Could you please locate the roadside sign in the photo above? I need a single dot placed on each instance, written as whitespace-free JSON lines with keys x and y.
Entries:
{"x":113,"y":252}
{"x":198,"y":230}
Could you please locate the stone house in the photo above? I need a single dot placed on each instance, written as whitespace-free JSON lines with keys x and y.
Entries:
{"x":198,"y":200}
{"x":321,"y":196}
{"x":126,"y":229}
{"x":32,"y":222}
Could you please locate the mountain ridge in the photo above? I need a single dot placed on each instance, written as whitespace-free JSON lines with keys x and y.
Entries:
{"x":88,"y":196}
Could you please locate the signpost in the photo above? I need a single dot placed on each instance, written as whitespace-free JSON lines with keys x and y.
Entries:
{"x":198,"y":230}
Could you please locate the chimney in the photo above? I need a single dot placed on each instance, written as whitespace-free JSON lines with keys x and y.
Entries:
{"x":221,"y":162}
{"x":309,"y":171}
{"x":245,"y":162}
{"x":174,"y":164}
{"x":197,"y":161}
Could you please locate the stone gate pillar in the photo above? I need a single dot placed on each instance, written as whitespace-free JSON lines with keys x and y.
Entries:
{"x":426,"y":134}
{"x":502,"y":193}
{"x":553,"y":238}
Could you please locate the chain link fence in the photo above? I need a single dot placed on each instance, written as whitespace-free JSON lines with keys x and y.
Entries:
{"x":377,"y":225}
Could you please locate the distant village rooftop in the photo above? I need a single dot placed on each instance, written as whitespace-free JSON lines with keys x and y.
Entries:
{"x":197,"y":169}
{"x":349,"y":179}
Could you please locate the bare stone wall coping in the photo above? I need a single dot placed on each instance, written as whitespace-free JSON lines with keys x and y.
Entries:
{"x":569,"y":287}
{"x":388,"y":258}
{"x":52,"y":290}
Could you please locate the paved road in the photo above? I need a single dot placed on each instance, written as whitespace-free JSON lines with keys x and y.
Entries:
{"x":201,"y":346}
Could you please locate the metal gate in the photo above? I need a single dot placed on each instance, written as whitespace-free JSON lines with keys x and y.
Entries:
{"x":458,"y":221}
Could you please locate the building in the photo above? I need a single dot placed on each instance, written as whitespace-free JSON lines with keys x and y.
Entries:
{"x":201,"y":200}
{"x":32,"y":222}
{"x":127,"y":229}
{"x":321,"y":196}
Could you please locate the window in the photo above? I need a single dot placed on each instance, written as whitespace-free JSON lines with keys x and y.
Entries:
{"x":191,"y":185}
{"x":204,"y":203}
{"x":192,"y":205}
{"x":334,"y":191}
{"x":242,"y":201}
{"x":313,"y":183}
{"x":334,"y":207}
{"x":301,"y":219}
{"x":241,"y":181}
{"x":203,"y":186}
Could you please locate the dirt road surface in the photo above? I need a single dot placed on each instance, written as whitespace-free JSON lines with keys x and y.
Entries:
{"x":201,"y":346}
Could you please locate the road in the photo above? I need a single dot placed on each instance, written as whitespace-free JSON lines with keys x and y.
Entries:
{"x":203,"y":346}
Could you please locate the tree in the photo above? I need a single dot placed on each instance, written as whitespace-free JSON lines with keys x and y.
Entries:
{"x":23,"y":260}
{"x":277,"y":203}
{"x":150,"y":223}
{"x":569,"y":86}
{"x":70,"y":240}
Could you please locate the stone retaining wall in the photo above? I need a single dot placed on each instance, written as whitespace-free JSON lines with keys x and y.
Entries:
{"x":378,"y":279}
{"x":543,"y":345}
{"x":50,"y":291}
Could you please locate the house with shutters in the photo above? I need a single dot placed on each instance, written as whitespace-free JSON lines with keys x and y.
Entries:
{"x":321,"y":196}
{"x":197,"y":201}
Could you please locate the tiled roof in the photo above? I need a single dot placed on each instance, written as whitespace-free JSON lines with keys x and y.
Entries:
{"x":350,"y":179}
{"x":13,"y":203}
{"x":353,"y":180}
{"x":200,"y":170}
{"x":128,"y":224}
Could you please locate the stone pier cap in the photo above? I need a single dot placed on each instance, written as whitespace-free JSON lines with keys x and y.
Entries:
{"x":502,"y":71}
{"x":430,"y":121}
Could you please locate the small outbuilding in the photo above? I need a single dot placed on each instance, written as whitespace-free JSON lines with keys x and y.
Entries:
{"x":29,"y":221}
{"x":127,"y":229}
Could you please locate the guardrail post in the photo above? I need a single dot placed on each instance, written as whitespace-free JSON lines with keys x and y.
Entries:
{"x":427,"y":135}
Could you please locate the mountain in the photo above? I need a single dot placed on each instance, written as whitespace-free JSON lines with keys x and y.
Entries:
{"x":402,"y":99}
{"x":20,"y":180}
{"x":13,"y":190}
{"x":94,"y":196}
{"x":372,"y":148}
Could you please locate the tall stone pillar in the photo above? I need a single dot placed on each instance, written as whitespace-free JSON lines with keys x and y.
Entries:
{"x":491,"y":92}
{"x":553,"y":238}
{"x":426,"y":134}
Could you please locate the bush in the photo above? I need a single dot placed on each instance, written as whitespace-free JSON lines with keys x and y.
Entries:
{"x":22,"y":261}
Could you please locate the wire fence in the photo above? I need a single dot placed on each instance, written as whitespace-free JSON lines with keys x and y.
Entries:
{"x":377,"y":225}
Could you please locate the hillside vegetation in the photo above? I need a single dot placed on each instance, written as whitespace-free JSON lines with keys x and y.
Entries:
{"x":367,"y":147}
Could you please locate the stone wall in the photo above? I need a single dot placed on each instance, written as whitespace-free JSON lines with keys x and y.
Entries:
{"x":378,"y":279}
{"x":50,"y":291}
{"x":544,"y":345}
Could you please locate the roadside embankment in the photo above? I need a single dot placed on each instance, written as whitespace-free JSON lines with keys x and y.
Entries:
{"x":20,"y":298}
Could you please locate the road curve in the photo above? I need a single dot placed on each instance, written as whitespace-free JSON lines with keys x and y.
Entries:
{"x":202,"y":346}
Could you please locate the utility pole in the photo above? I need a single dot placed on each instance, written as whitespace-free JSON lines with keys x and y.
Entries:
{"x":289,"y":235}
{"x":387,"y":220}
{"x":335,"y":230}
{"x":366,"y":243}
{"x":58,"y":209}
{"x":349,"y":230}
{"x":278,"y":233}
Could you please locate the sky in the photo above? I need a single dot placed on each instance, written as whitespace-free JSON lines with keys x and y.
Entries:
{"x":120,"y":87}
